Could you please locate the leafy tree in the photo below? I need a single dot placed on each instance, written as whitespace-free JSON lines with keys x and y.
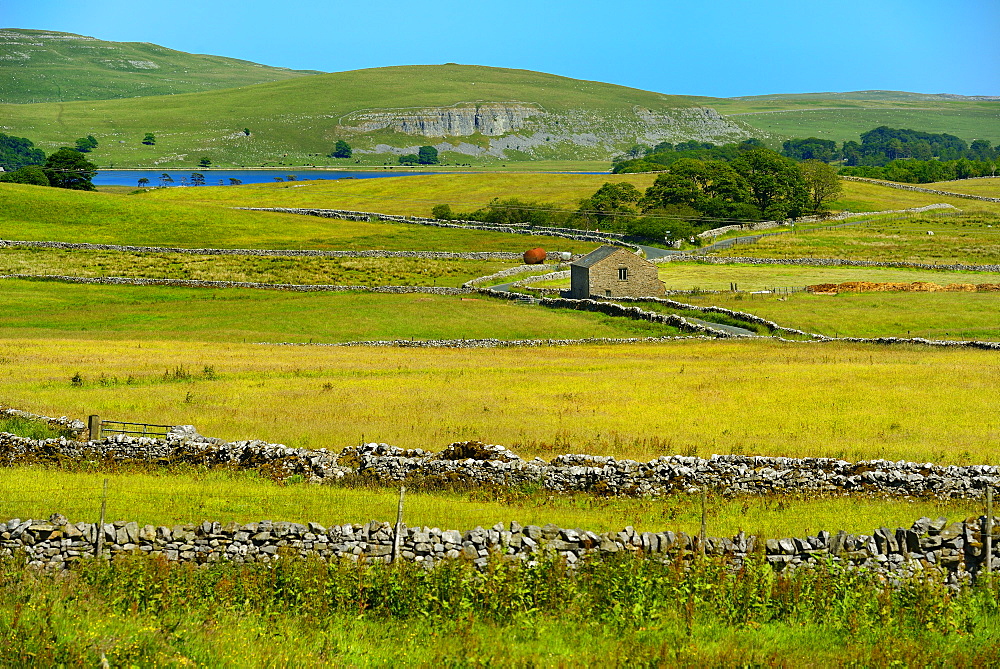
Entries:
{"x":427,"y":155}
{"x":17,"y":152}
{"x":67,"y":168}
{"x":197,"y":179}
{"x":442,"y":212}
{"x":775,"y":183}
{"x":204,"y":162}
{"x":612,"y":206}
{"x":32,"y":175}
{"x":86,"y":144}
{"x":149,"y":139}
{"x":812,"y":148}
{"x":235,"y":182}
{"x":166,"y":179}
{"x":409,"y":159}
{"x":143,"y":182}
{"x":822,"y":181}
{"x":342,"y":150}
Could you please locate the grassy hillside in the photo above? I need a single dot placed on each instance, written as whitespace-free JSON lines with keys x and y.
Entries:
{"x":989,"y":187}
{"x":52,"y":214}
{"x":48,"y":66}
{"x":296,"y":122}
{"x":844,"y":116}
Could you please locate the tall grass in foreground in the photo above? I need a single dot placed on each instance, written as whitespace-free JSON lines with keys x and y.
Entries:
{"x":627,"y":610}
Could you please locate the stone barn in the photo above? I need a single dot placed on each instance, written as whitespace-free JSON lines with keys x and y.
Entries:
{"x":612,"y":271}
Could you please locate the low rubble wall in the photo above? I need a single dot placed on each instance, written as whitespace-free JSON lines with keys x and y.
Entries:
{"x":475,"y":463}
{"x":197,"y":283}
{"x":954,"y":550}
{"x":612,"y":238}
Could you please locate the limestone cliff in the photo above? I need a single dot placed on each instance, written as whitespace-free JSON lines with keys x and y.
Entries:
{"x":490,"y":119}
{"x":531,"y":130}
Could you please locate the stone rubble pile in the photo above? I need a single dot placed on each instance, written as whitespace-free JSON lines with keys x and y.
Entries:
{"x":955,"y":550}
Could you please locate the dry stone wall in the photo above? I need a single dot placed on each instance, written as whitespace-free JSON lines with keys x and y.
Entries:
{"x":195,"y":283}
{"x":474,"y":463}
{"x":918,"y":189}
{"x":955,"y":551}
{"x":613,"y":238}
{"x":294,"y":253}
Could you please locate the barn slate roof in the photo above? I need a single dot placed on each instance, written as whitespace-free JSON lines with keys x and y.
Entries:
{"x":595,"y":256}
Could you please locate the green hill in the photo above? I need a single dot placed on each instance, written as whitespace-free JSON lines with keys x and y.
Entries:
{"x":844,"y":116}
{"x":47,"y":66}
{"x":474,"y":111}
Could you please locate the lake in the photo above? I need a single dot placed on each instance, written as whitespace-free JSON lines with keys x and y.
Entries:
{"x":222,"y":177}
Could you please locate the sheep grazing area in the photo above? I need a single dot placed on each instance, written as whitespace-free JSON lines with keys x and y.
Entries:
{"x":459,"y":476}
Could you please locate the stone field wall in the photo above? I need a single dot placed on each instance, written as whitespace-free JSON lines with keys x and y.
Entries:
{"x":612,"y":238}
{"x":474,"y":463}
{"x":953,"y":550}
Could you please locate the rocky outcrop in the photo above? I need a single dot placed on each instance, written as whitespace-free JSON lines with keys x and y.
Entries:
{"x":492,"y":119}
{"x":526,"y":128}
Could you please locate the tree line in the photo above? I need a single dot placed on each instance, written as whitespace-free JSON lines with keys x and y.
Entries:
{"x":689,"y":196}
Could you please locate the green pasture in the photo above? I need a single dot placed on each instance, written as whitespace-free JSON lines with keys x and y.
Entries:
{"x":693,"y":397}
{"x":171,"y":496}
{"x":682,"y":275}
{"x":843,"y":120}
{"x":414,"y":195}
{"x":960,"y":316}
{"x":49,"y":309}
{"x":54,"y":214}
{"x":860,"y":196}
{"x":262,"y":269}
{"x":973,"y":240}
{"x":48,"y":66}
{"x":987,"y":187}
{"x":296,"y":122}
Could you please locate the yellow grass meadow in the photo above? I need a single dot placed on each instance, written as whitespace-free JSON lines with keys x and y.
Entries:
{"x":640,"y":401}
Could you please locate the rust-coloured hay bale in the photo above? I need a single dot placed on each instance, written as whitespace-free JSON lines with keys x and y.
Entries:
{"x":988,"y":287}
{"x":534,"y":256}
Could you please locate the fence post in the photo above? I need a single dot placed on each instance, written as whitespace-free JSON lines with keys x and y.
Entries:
{"x":94,"y":423}
{"x":703,"y":532}
{"x":989,"y":529}
{"x":100,"y":526}
{"x":399,"y":525}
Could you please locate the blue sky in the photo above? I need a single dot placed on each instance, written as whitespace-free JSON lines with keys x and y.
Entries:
{"x":718,"y":48}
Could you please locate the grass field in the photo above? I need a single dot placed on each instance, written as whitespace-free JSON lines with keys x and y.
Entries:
{"x":53,"y":214}
{"x":48,"y":66}
{"x":964,"y":239}
{"x":173,"y":496}
{"x":704,"y":276}
{"x":263,"y":269}
{"x":694,"y":397}
{"x":930,"y":315}
{"x":983,"y":187}
{"x":49,"y":309}
{"x":415,"y":195}
{"x":859,"y":196}
{"x":842,"y":119}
